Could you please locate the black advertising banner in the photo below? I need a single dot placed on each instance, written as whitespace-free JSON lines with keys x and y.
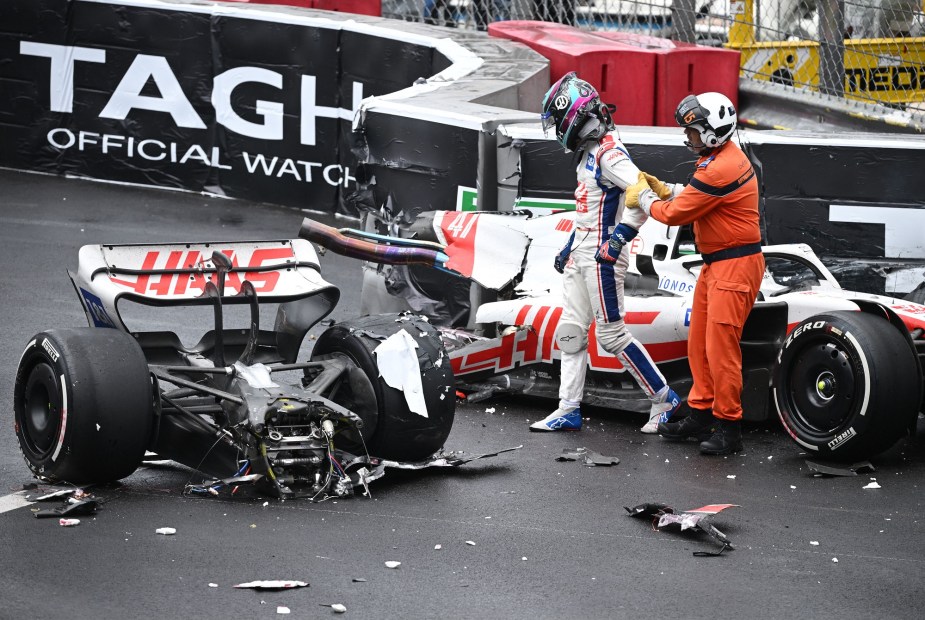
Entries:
{"x":420,"y":165}
{"x":187,"y":98}
{"x":842,"y":175}
{"x":389,"y":64}
{"x":860,"y":204}
{"x":19,"y":90}
{"x":281,"y":123}
{"x":373,"y":65}
{"x":112,"y":102}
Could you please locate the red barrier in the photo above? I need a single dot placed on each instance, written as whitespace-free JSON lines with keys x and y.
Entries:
{"x":305,"y":4}
{"x":683,"y":69}
{"x":623,"y":74}
{"x":358,"y":7}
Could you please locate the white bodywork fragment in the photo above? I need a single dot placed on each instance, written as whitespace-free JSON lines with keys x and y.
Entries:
{"x":398,"y":365}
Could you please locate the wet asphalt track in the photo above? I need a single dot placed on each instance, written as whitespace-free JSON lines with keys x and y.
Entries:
{"x":551,"y":538}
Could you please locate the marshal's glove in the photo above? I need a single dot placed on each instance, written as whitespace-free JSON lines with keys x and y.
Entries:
{"x":631,"y":194}
{"x":658,"y":186}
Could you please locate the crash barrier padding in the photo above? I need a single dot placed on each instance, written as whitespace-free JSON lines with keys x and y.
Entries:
{"x":623,"y":74}
{"x":856,"y":199}
{"x":682,"y":69}
{"x":357,"y":7}
{"x":249,"y":100}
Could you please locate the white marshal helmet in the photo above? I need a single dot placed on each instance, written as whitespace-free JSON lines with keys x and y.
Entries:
{"x":711,"y":114}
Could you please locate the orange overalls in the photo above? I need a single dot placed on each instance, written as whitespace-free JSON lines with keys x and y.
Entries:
{"x":721,"y":200}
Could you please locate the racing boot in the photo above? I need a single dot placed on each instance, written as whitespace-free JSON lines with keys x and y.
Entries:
{"x":725,"y":440}
{"x":700,"y":424}
{"x":560,"y":420}
{"x":667,"y":406}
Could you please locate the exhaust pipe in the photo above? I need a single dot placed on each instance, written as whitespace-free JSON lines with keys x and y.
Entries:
{"x":332,"y":239}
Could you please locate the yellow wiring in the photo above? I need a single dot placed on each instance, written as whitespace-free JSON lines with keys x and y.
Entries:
{"x":263,"y":453}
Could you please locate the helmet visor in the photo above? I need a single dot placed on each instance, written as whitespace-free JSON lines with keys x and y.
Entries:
{"x":549,"y":122}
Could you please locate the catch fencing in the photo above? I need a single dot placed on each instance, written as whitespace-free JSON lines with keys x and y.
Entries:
{"x":857,"y":50}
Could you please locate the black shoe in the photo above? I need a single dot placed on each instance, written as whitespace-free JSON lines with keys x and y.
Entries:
{"x":699,"y":424}
{"x":726,"y":440}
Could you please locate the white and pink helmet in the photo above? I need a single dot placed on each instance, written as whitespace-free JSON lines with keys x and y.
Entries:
{"x":568,"y":106}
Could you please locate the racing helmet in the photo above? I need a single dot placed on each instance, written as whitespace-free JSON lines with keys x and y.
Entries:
{"x":574,"y":108}
{"x":712,"y":115}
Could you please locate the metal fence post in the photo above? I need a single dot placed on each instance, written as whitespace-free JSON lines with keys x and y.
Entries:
{"x":683,"y":18}
{"x":832,"y":47}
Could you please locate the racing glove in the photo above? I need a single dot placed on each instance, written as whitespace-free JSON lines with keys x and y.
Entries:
{"x":610,"y":249}
{"x":562,"y":257}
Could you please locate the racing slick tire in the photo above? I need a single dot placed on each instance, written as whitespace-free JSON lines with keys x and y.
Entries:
{"x":397,"y":432}
{"x":83,"y":405}
{"x":847,"y":385}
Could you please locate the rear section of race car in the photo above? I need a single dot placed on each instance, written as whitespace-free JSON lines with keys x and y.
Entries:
{"x":237,"y":405}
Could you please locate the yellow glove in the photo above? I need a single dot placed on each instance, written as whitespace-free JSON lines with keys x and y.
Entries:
{"x":632,"y":192}
{"x":659,"y":187}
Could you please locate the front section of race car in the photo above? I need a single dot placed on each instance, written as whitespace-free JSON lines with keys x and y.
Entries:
{"x":237,"y":405}
{"x":842,"y":370}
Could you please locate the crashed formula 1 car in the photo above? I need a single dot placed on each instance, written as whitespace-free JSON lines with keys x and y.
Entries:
{"x":89,"y":403}
{"x":843,"y":370}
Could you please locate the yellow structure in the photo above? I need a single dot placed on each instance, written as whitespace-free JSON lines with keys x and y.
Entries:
{"x":890,"y":70}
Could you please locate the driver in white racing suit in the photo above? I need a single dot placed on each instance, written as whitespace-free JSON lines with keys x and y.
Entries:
{"x":595,"y":260}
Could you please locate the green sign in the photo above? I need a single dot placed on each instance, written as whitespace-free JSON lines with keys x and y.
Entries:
{"x":467,"y":200}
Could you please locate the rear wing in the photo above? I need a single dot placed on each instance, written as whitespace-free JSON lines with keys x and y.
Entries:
{"x":175,"y":274}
